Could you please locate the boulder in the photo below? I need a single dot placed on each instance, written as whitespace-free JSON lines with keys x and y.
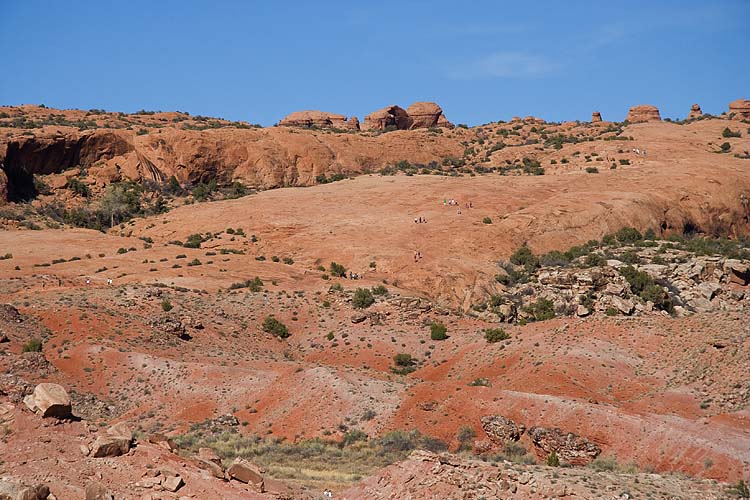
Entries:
{"x":172,"y":482}
{"x":354,"y":123}
{"x":3,"y":187}
{"x":122,"y":430}
{"x":426,"y":115}
{"x":740,"y":109}
{"x":97,"y":491}
{"x":643,"y":113}
{"x":625,"y":306}
{"x":501,"y":429}
{"x":162,"y":441}
{"x":388,"y":117}
{"x":358,"y":317}
{"x":216,"y":470}
{"x":318,"y":119}
{"x":569,"y":447}
{"x":12,"y":489}
{"x":737,"y":271}
{"x":210,"y":455}
{"x":110,"y":446}
{"x":49,"y":400}
{"x":248,"y":473}
{"x":695,"y":111}
{"x":596,"y":117}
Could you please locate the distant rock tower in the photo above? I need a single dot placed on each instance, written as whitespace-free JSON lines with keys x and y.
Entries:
{"x":643,"y":113}
{"x":596,"y":117}
{"x":695,"y":111}
{"x":740,"y":108}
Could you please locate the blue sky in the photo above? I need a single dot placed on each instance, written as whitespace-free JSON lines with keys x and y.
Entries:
{"x":480,"y":60}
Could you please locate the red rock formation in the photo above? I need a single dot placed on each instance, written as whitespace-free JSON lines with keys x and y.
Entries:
{"x":596,"y":117}
{"x":390,"y":116}
{"x":501,"y":429}
{"x":426,"y":115}
{"x":643,"y":113}
{"x":569,"y":447}
{"x":695,"y":111}
{"x":740,"y":108}
{"x":319,"y":119}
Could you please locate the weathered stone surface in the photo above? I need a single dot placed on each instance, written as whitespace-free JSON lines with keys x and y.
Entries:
{"x":737,"y":271}
{"x":210,"y":455}
{"x":162,"y":441}
{"x":122,"y":430}
{"x":643,"y":113}
{"x":596,"y":117}
{"x":211,"y":467}
{"x":569,"y":447}
{"x":740,"y":109}
{"x":695,"y":111}
{"x":172,"y":483}
{"x":97,"y":491}
{"x":12,"y":489}
{"x":247,"y":472}
{"x":51,"y":400}
{"x":426,"y":115}
{"x":110,"y":446}
{"x":501,"y":429}
{"x":388,"y":117}
{"x":319,"y":119}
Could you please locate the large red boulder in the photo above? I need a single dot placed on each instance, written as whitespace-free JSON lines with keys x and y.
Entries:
{"x":643,"y":113}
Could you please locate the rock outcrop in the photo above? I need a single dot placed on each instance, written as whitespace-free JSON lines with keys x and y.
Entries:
{"x":740,"y":109}
{"x":426,"y":115}
{"x":569,"y":447}
{"x":596,"y":117}
{"x":500,"y":429}
{"x":248,"y":473}
{"x":695,"y":111}
{"x":318,"y":119}
{"x":49,"y":400}
{"x":116,"y":442}
{"x":390,"y":117}
{"x":12,"y":489}
{"x":643,"y":113}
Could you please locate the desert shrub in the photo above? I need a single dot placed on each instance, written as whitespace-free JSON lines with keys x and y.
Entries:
{"x":337,"y":270}
{"x":592,"y":170}
{"x":403,"y":364}
{"x":541,"y":310}
{"x":33,"y":345}
{"x":725,"y":147}
{"x":611,"y":311}
{"x":202,"y":191}
{"x":628,"y":235}
{"x":511,"y":276}
{"x":555,"y":258}
{"x":553,"y":460}
{"x":526,"y":258}
{"x":275,"y":258}
{"x":193,"y":241}
{"x":728,"y":133}
{"x":480,"y":382}
{"x":487,"y":220}
{"x":649,"y":234}
{"x":194,"y":262}
{"x":336,"y":287}
{"x":465,"y":437}
{"x":79,"y":188}
{"x":275,"y":327}
{"x":379,"y":290}
{"x":288,"y":261}
{"x":166,"y":305}
{"x":624,"y":161}
{"x":362,"y":298}
{"x":740,"y":490}
{"x":438,"y":331}
{"x":594,"y":260}
{"x":493,"y":335}
{"x":643,"y":285}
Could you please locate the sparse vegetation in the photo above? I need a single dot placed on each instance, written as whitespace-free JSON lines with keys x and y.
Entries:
{"x":275,"y":327}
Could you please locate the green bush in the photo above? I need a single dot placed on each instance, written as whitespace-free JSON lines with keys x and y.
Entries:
{"x":487,"y":220}
{"x":275,"y":327}
{"x":362,"y":298}
{"x":493,"y":335}
{"x":166,"y":305}
{"x":628,"y":235}
{"x":379,"y":290}
{"x":541,"y":310}
{"x":526,"y":258}
{"x":338,"y":270}
{"x":727,"y":133}
{"x":79,"y":188}
{"x":403,"y":364}
{"x":33,"y":345}
{"x":592,"y":170}
{"x":725,"y":147}
{"x":553,"y":460}
{"x":438,"y":331}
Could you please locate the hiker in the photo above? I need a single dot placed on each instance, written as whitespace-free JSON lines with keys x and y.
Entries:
{"x":415,"y":220}
{"x":88,"y":281}
{"x":109,"y":281}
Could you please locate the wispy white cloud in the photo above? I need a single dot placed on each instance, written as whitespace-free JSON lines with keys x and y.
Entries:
{"x":506,"y":65}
